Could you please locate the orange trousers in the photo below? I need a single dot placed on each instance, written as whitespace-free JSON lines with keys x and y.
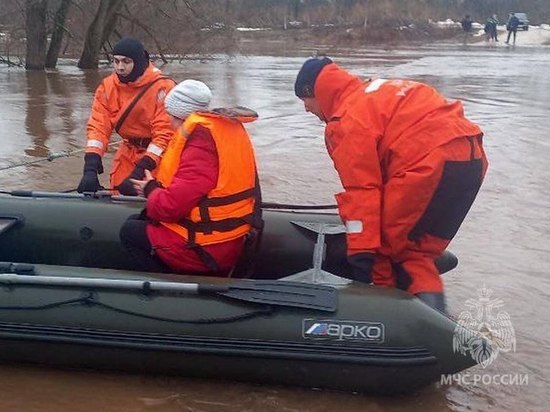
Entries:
{"x":423,"y":207}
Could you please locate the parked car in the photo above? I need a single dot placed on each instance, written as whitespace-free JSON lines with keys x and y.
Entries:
{"x":523,"y":21}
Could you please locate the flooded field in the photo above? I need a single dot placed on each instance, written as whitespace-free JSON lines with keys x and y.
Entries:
{"x":504,"y":245}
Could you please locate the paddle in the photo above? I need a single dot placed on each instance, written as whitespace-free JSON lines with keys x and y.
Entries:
{"x":269,"y":292}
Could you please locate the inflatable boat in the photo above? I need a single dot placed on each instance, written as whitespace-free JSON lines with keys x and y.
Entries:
{"x":69,"y":298}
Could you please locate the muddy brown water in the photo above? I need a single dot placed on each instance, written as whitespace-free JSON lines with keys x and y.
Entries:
{"x":504,"y":245}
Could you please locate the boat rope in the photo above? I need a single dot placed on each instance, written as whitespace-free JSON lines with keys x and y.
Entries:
{"x":46,"y":306}
{"x":107,"y":193}
{"x":90,"y":299}
{"x":273,"y":205}
{"x":265,"y":310}
{"x":52,"y":156}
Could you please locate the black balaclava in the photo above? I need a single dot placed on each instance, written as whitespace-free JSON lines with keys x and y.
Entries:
{"x":133,"y":49}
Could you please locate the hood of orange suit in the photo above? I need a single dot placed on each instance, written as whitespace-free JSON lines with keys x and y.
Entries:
{"x":332,"y":86}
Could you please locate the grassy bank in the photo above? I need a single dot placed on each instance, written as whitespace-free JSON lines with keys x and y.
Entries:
{"x":347,"y":36}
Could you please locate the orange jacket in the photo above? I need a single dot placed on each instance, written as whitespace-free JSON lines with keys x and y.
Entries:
{"x":229,"y":206}
{"x":147,"y":119}
{"x":376,"y":131}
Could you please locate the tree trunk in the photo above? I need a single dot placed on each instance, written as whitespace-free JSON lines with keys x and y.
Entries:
{"x":98,"y":32}
{"x":295,"y":7}
{"x":35,"y":26}
{"x":57,"y":35}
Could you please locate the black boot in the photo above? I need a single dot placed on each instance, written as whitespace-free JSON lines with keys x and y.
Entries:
{"x":434,"y":300}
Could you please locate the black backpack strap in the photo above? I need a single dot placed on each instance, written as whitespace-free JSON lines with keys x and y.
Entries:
{"x":136,"y":99}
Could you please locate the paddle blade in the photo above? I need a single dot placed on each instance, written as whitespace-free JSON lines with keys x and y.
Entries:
{"x":281,"y":293}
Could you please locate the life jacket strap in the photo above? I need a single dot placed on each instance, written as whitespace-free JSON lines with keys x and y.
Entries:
{"x":207,"y":226}
{"x":205,"y":203}
{"x":225,"y":225}
{"x":205,"y":257}
{"x":226,"y":200}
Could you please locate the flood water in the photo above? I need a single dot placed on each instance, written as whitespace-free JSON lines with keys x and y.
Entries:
{"x":504,"y":244}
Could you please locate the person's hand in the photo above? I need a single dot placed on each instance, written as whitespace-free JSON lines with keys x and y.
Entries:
{"x":144,"y":165}
{"x":88,"y":183}
{"x":92,"y":167}
{"x":139,"y":185}
{"x":126,"y":188}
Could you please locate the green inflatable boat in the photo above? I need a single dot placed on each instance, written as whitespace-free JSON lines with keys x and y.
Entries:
{"x":69,"y":298}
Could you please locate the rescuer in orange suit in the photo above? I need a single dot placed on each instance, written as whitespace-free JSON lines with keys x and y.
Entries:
{"x":410,"y":164}
{"x":130,"y":101}
{"x":205,"y":199}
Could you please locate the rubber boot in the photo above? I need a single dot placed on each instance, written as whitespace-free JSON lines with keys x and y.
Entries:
{"x":434,"y":300}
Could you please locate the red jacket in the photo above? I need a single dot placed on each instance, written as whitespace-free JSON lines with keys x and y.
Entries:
{"x":196,"y":176}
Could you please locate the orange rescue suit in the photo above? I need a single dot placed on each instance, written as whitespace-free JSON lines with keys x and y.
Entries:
{"x":398,"y":146}
{"x":145,"y":131}
{"x":227,"y":212}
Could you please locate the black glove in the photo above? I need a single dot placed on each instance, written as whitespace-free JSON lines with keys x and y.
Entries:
{"x":361,"y":265}
{"x":92,"y":167}
{"x":126,"y":187}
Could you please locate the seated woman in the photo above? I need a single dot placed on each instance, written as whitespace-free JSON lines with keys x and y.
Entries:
{"x":205,"y":199}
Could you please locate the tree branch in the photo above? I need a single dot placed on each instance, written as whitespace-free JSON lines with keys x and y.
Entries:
{"x":144,"y":27}
{"x":10,"y":63}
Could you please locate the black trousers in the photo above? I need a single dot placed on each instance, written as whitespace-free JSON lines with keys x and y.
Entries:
{"x":133,"y":237}
{"x":509,"y":34}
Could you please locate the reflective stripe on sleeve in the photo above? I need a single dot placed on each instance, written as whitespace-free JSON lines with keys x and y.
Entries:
{"x":374,"y":85}
{"x":354,"y":226}
{"x":156,"y":150}
{"x":95,"y":143}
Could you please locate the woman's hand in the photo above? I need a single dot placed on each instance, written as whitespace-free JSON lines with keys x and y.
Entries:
{"x":139,"y":185}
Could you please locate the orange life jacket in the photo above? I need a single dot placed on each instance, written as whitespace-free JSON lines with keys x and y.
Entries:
{"x":227,"y":212}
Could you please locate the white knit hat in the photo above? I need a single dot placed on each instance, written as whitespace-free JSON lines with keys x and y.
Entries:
{"x":187,"y":97}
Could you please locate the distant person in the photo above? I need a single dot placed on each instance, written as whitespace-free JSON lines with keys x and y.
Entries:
{"x":491,"y":28}
{"x":205,"y":199}
{"x":466,"y":24}
{"x":410,"y":165}
{"x":488,"y":28}
{"x":466,"y":27}
{"x":512,"y":26}
{"x":129,"y":102}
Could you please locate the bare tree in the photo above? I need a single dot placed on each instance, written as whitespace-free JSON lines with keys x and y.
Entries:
{"x":35,"y":25}
{"x":99,"y":32}
{"x":294,"y":8}
{"x":57,"y":34}
{"x":179,"y":28}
